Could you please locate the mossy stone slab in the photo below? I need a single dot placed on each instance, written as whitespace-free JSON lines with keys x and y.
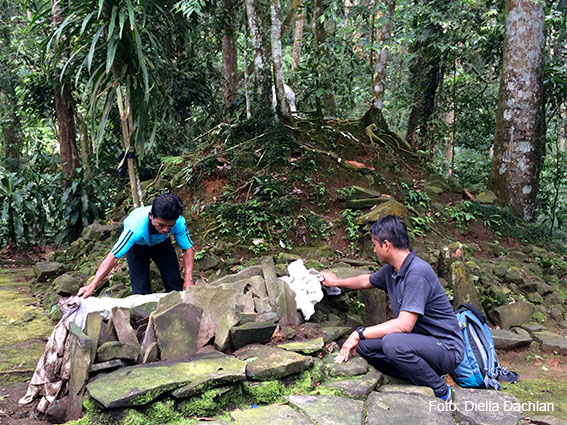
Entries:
{"x":140,"y":384}
{"x":177,"y":330}
{"x":304,"y":347}
{"x":213,"y":373}
{"x":330,"y":410}
{"x":280,"y":414}
{"x":354,"y":366}
{"x":508,"y":340}
{"x":403,"y":409}
{"x":117,"y":350}
{"x":268,"y":363}
{"x":357,"y":387}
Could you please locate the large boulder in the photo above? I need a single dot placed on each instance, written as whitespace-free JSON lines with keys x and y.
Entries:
{"x":508,"y":340}
{"x":66,"y":285}
{"x":514,"y":314}
{"x":387,"y":208}
{"x":486,"y":407}
{"x":552,"y":343}
{"x":47,"y":270}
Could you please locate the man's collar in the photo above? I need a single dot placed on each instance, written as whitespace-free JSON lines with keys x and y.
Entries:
{"x":405,"y":264}
{"x":151,"y":229}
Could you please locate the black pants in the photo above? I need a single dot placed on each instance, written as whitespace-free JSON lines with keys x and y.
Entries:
{"x":411,"y":357}
{"x":163,"y":254}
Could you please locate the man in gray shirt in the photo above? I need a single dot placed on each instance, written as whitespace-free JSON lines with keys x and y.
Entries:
{"x":423,"y":341}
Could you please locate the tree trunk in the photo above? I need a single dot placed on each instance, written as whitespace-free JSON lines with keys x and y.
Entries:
{"x":519,"y":140}
{"x":125,"y":110}
{"x":246,"y":75}
{"x":10,"y":130}
{"x":85,"y":145}
{"x":229,"y":56}
{"x":261,"y":67}
{"x":379,"y":80}
{"x":425,"y":77}
{"x":319,"y":35}
{"x":64,"y":109}
{"x":275,"y":11}
{"x":297,"y":37}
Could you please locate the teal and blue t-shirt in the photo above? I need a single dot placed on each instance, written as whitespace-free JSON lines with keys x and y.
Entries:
{"x":137,"y":231}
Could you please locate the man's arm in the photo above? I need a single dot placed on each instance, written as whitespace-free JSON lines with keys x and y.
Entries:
{"x":188,"y":259}
{"x":104,"y":268}
{"x":404,"y":323}
{"x":358,"y":282}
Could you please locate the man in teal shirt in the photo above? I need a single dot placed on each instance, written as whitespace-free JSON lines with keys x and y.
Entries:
{"x":145,"y":236}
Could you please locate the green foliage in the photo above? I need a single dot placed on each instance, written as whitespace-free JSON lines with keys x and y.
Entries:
{"x":265,"y":392}
{"x":461,"y":213}
{"x":352,"y":228}
{"x":35,"y":208}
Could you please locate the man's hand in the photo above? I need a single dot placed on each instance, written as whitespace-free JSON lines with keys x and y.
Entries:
{"x":348,"y":348}
{"x":330,"y":279}
{"x":86,"y":291}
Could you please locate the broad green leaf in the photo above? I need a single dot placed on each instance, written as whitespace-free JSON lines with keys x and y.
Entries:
{"x":93,"y":47}
{"x":112,"y":22}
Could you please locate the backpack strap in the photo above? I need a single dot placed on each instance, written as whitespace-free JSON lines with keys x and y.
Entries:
{"x":473,"y":309}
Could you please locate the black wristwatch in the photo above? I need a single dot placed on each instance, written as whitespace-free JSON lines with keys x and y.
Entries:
{"x":360,"y":331}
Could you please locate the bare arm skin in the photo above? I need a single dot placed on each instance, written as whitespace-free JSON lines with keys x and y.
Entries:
{"x":188,"y":260}
{"x":358,"y":282}
{"x":104,"y":268}
{"x":404,"y":323}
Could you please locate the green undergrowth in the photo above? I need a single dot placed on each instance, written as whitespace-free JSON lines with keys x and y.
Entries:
{"x":530,"y":392}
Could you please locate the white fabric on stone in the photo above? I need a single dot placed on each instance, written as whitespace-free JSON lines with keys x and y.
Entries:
{"x":307,"y":287}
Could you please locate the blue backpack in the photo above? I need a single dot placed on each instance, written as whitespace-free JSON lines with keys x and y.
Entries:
{"x":480,"y":367}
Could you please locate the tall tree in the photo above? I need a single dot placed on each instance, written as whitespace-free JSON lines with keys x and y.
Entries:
{"x":276,"y":44}
{"x":10,"y":127}
{"x":262,"y":69}
{"x":229,"y":54}
{"x":385,"y":34}
{"x":322,"y":52}
{"x":519,"y":140}
{"x":297,"y":37}
{"x":425,"y":75}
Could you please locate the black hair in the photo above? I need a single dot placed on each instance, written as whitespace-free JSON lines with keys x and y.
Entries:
{"x":392,"y":229}
{"x":167,"y":207}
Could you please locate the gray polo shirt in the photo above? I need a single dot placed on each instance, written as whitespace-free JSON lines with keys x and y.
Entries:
{"x":416,"y":289}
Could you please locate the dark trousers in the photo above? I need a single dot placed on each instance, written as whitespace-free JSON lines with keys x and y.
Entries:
{"x":163,"y":254}
{"x":411,"y":357}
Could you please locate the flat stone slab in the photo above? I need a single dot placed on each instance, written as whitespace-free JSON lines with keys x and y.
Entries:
{"x":250,"y":333}
{"x":304,"y":347}
{"x":268,"y":363}
{"x":551,"y":342}
{"x":358,"y":387}
{"x":330,"y":410}
{"x":111,"y":364}
{"x":354,"y":366}
{"x":486,"y":407}
{"x":407,"y":389}
{"x":177,"y":329}
{"x":117,"y":350}
{"x":140,"y":384}
{"x":332,"y":333}
{"x":508,"y":340}
{"x":213,"y":372}
{"x":270,"y":415}
{"x":404,"y":409}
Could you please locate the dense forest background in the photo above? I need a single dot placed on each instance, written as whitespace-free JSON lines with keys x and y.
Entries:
{"x":96,"y":95}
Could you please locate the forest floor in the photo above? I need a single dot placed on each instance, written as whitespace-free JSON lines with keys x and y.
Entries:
{"x":24,"y":329}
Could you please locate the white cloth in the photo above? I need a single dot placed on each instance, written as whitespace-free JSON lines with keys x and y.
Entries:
{"x":307,"y":287}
